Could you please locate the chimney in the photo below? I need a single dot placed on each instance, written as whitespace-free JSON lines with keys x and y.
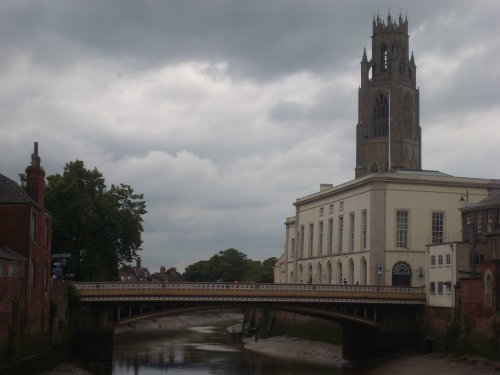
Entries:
{"x":35,"y":179}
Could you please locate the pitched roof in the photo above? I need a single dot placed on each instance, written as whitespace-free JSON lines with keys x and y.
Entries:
{"x":11,"y":192}
{"x":491,"y":201}
{"x":7,"y":253}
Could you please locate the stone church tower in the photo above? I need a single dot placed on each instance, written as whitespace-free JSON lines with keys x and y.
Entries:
{"x":388,"y":109}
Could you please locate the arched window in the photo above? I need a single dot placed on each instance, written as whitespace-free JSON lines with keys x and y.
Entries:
{"x":330,"y":272}
{"x":380,"y":115}
{"x":291,"y":277}
{"x":407,"y":113}
{"x":320,"y":274}
{"x":350,"y":275}
{"x":363,"y":272}
{"x":488,"y":289}
{"x":339,"y":272}
{"x":384,"y":56}
{"x":301,"y":274}
{"x":310,"y":274}
{"x":401,"y":274}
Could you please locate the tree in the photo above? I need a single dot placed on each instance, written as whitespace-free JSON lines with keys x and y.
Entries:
{"x":101,"y":228}
{"x":231,"y":265}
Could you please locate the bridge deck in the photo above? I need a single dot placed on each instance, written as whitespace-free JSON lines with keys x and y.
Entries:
{"x":307,"y":293}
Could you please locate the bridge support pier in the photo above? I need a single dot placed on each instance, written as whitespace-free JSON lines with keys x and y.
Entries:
{"x":359,"y":342}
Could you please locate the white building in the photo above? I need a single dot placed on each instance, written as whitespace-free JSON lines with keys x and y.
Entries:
{"x":375,"y":230}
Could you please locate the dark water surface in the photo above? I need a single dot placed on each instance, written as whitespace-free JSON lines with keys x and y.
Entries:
{"x":197,"y":350}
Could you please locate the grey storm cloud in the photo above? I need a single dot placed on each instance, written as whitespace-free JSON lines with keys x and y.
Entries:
{"x":223,"y":112}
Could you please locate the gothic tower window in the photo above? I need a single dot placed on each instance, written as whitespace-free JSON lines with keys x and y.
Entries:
{"x":380,"y":115}
{"x":383,"y":54}
{"x":407,"y":113}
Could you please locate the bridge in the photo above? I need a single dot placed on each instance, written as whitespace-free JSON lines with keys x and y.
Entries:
{"x":363,"y":311}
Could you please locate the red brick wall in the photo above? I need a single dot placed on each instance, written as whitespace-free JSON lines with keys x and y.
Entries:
{"x":15,"y":228}
{"x":15,"y":233}
{"x":472,"y":296}
{"x":437,"y":317}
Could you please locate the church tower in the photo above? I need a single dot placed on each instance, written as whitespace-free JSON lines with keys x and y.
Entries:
{"x":388,"y":131}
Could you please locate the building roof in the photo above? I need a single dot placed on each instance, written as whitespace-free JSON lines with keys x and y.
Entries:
{"x":491,"y":201}
{"x":11,"y":192}
{"x":421,"y":172}
{"x":404,"y":176}
{"x":7,"y":253}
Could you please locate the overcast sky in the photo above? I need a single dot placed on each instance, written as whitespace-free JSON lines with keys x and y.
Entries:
{"x":223,"y":112}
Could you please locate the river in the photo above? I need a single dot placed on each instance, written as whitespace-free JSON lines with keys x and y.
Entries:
{"x":197,"y":344}
{"x":197,"y":350}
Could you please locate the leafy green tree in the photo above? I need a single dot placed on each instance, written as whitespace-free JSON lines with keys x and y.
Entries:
{"x":231,"y":265}
{"x":100,"y":227}
{"x":266,"y":274}
{"x":198,"y":271}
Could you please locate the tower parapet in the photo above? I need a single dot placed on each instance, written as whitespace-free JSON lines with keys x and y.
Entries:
{"x":379,"y":26}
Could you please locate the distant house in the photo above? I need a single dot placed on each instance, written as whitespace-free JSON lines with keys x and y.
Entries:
{"x":170,"y":275}
{"x":137,"y":273}
{"x":25,"y":256}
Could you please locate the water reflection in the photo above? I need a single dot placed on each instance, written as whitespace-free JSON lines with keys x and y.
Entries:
{"x":197,"y":350}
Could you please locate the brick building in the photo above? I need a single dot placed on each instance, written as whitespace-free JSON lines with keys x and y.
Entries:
{"x":479,"y":294}
{"x":25,"y":257}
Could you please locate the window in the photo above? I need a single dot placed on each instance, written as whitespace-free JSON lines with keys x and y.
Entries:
{"x":384,"y":55}
{"x":402,"y":229}
{"x":490,"y":216}
{"x":364,"y":272}
{"x":33,"y":227}
{"x":351,"y":227}
{"x":341,"y":206}
{"x":380,"y":116}
{"x":330,"y":236}
{"x":478,"y":259}
{"x":437,"y":227}
{"x":440,"y":260}
{"x":469,"y":218}
{"x":488,"y":285}
{"x":350,"y":275}
{"x":46,"y":233}
{"x":330,"y":210}
{"x":311,"y":238}
{"x":339,"y":272}
{"x":292,"y":247}
{"x":447,"y":287}
{"x":433,"y":287}
{"x":14,"y":270}
{"x":320,"y":239}
{"x":364,"y":229}
{"x":440,"y":287}
{"x":448,"y":259}
{"x":321,"y":211}
{"x":341,"y":233}
{"x":479,"y":222}
{"x":301,"y":241}
{"x":433,"y":260}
